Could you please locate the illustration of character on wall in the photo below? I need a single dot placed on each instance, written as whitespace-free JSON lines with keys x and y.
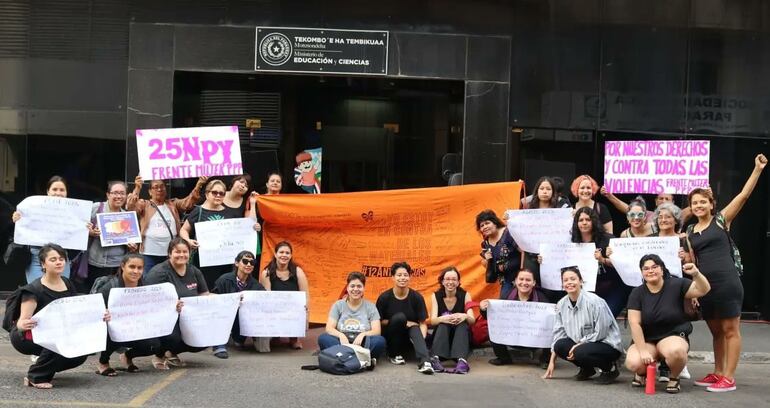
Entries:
{"x":307,"y":174}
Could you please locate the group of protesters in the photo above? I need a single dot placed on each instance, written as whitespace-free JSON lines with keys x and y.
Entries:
{"x":585,"y":331}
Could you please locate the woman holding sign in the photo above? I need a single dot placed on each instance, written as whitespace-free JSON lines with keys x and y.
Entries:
{"x":585,"y":333}
{"x":660,"y":328}
{"x":129,"y":276}
{"x":584,"y":187}
{"x":56,"y":187}
{"x":159,"y":217}
{"x":283,"y":274}
{"x":713,"y":250}
{"x":526,"y":290}
{"x":103,"y":261}
{"x":212,"y":209}
{"x":34,"y":297}
{"x":586,"y":228}
{"x":188,"y":281}
{"x":239,"y":280}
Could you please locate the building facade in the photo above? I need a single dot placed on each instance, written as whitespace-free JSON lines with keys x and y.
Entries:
{"x":476,"y":91}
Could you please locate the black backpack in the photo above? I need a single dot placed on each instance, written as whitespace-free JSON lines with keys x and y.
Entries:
{"x":13,"y":305}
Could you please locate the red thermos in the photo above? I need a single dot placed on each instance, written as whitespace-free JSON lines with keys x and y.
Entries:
{"x":649,"y":383}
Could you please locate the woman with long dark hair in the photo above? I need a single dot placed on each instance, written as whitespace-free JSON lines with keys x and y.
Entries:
{"x":712,"y":248}
{"x":499,"y":253}
{"x":283,"y":274}
{"x":587,"y":228}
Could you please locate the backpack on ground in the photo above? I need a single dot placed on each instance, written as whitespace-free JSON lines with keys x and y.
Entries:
{"x":343,"y":360}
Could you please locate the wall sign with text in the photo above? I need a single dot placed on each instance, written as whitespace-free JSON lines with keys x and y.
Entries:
{"x":287,"y":49}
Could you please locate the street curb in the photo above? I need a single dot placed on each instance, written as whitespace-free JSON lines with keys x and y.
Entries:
{"x":706,"y":357}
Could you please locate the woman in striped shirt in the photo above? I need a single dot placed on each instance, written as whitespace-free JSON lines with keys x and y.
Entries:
{"x":585,"y":332}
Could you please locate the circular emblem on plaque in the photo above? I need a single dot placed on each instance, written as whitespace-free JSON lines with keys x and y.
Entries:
{"x":275,"y":49}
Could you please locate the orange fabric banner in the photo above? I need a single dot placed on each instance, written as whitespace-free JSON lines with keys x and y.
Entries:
{"x":430,"y":228}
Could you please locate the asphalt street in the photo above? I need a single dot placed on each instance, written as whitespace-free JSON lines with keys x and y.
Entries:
{"x":249,"y":379}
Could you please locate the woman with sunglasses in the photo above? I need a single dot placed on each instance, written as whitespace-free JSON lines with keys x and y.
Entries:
{"x":212,"y":209}
{"x":585,"y":332}
{"x":239,"y":280}
{"x":637,"y":220}
{"x":159,"y":217}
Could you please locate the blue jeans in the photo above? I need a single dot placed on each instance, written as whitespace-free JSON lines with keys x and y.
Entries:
{"x":152,"y":260}
{"x":505,"y":289}
{"x":35,"y":271}
{"x":375,"y":344}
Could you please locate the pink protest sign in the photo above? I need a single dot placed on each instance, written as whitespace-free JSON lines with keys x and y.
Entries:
{"x":188,"y":152}
{"x":656,"y":166}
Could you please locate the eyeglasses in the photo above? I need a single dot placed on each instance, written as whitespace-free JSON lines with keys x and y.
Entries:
{"x":248,"y":261}
{"x":117,"y":193}
{"x":159,"y":187}
{"x":650,"y":268}
{"x":451,"y":279}
{"x":217,"y":193}
{"x":637,"y":215}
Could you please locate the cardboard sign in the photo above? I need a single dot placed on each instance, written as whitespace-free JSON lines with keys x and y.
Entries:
{"x":72,"y":326}
{"x":119,"y":228}
{"x":626,"y":253}
{"x":514,"y":323}
{"x":58,"y":220}
{"x":532,"y":228}
{"x":557,"y":256}
{"x":188,"y":152}
{"x":656,"y":166}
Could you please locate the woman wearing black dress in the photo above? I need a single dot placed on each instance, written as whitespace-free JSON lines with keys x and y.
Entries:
{"x":721,"y":307}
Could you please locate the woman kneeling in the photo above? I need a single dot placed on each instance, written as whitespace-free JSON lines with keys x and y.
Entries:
{"x":659,"y":324}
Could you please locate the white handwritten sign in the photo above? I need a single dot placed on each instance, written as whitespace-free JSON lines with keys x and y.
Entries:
{"x":627,"y":252}
{"x":188,"y":152}
{"x":72,"y":326}
{"x":656,"y":166}
{"x":58,"y":220}
{"x":144,"y":312}
{"x":221,"y":240}
{"x":208,"y":320}
{"x":531,"y":228}
{"x":273,"y":314}
{"x":514,"y":323}
{"x":557,"y":256}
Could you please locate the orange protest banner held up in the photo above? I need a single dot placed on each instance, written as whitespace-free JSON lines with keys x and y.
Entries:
{"x":430,"y":228}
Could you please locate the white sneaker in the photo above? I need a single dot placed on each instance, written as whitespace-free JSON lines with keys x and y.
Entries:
{"x":398,"y":360}
{"x":426,"y":368}
{"x":33,"y":358}
{"x":685,"y":374}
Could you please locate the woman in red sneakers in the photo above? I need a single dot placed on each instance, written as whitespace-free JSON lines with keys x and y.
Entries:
{"x":713,"y":253}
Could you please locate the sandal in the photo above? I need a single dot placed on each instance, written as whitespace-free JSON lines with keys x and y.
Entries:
{"x":638,"y":381}
{"x":160,"y":363}
{"x":174,"y":360}
{"x":673,"y":386}
{"x":296,"y":345}
{"x":107,"y":372}
{"x":131,"y":368}
{"x":39,"y":386}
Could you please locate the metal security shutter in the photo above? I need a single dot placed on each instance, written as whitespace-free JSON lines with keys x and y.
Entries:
{"x":14,"y":28}
{"x":233,"y":107}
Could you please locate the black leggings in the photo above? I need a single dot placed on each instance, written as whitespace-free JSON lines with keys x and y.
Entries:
{"x":174,"y":343}
{"x":452,"y":342}
{"x":398,"y":337}
{"x":48,"y":363}
{"x":588,"y":355}
{"x":136,"y":348}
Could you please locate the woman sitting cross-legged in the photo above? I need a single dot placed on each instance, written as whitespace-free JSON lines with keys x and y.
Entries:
{"x":354,"y":320}
{"x":585,"y":332}
{"x":452,"y":336}
{"x":659,"y":325}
